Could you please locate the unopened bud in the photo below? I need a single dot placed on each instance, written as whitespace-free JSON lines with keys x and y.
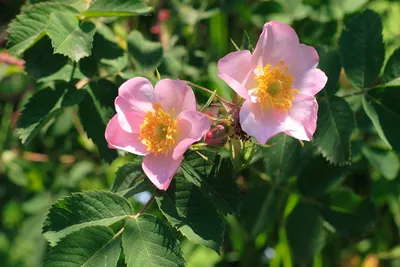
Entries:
{"x":217,"y":135}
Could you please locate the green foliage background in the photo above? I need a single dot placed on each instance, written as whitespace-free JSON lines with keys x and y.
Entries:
{"x":333,"y":202}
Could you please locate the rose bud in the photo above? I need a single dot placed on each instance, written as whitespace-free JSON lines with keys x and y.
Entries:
{"x":217,"y":135}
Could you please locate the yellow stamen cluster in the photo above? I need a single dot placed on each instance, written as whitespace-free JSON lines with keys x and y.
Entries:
{"x":275,"y":87}
{"x":158,"y":131}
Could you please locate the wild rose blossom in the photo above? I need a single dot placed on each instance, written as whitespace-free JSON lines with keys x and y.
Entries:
{"x":159,"y":123}
{"x":278,"y":82}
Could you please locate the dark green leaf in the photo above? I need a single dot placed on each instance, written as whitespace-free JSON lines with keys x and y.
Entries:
{"x":90,"y":247}
{"x":392,"y":68}
{"x":73,"y":97}
{"x":246,"y":43}
{"x":329,"y":62}
{"x":69,"y":37}
{"x":305,"y":233}
{"x":145,"y":54}
{"x":280,"y":159}
{"x":384,"y":110}
{"x":361,"y":47}
{"x":84,"y":209}
{"x":386,"y":162}
{"x":187,"y":209}
{"x":29,"y":27}
{"x":319,"y":177}
{"x":335,"y":125}
{"x":95,"y":126}
{"x":116,"y":8}
{"x":148,"y":242}
{"x":130,"y":179}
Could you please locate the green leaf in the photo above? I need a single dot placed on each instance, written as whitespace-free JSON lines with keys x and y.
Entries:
{"x":187,"y":209}
{"x":334,"y":127}
{"x":28,"y":28}
{"x":94,"y":125}
{"x":329,"y":62}
{"x":40,"y":108}
{"x":73,"y":97}
{"x":386,"y":162}
{"x":69,"y":37}
{"x":130,"y":179}
{"x":361,"y":47}
{"x":219,"y":186}
{"x":246,"y":43}
{"x":392,"y":68}
{"x":90,"y":247}
{"x":280,"y":159}
{"x":116,"y":8}
{"x":79,"y":210}
{"x":383,"y":109}
{"x":148,"y":242}
{"x":305,"y":233}
{"x":319,"y":177}
{"x":145,"y":54}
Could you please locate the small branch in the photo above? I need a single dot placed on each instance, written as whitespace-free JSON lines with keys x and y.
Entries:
{"x":119,"y":232}
{"x":144,"y":208}
{"x":210,"y":92}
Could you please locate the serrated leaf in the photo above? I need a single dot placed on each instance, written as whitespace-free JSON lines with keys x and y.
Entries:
{"x":79,"y":210}
{"x":28,"y":28}
{"x":305,"y":233}
{"x":148,"y":242}
{"x":392,"y":68}
{"x":94,"y":126}
{"x":361,"y":47}
{"x":40,"y":108}
{"x":73,"y":97}
{"x":130,"y":179}
{"x":89,"y":247}
{"x":116,"y":8}
{"x":219,"y":186}
{"x":329,"y":62}
{"x":145,"y":54}
{"x":319,"y":177}
{"x":334,"y":127}
{"x":384,"y":112}
{"x":280,"y":159}
{"x":69,"y":37}
{"x":187,"y":209}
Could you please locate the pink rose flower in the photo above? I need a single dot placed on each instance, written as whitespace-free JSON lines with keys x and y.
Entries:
{"x":278,"y":82}
{"x":159,"y":123}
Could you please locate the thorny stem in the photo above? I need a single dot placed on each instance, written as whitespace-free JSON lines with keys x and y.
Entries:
{"x":144,"y":207}
{"x":210,"y":92}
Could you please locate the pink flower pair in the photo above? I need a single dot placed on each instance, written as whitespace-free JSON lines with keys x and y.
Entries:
{"x":278,"y":83}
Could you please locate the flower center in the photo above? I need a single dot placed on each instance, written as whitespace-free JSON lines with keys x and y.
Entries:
{"x":158,"y":130}
{"x":274,"y":87}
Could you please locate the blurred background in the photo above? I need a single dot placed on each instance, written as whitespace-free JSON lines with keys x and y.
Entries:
{"x":194,"y":34}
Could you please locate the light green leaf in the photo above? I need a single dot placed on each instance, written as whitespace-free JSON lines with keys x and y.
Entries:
{"x":79,"y":210}
{"x":219,"y":186}
{"x":187,"y":209}
{"x":305,"y":233}
{"x":130,"y":179}
{"x":392,"y":68}
{"x":148,"y":242}
{"x":280,"y":159}
{"x":386,"y":162}
{"x":146,"y":55}
{"x":28,"y":28}
{"x":69,"y":37}
{"x":89,"y":247}
{"x":117,"y":8}
{"x":382,"y":107}
{"x":361,"y":47}
{"x":334,"y":127}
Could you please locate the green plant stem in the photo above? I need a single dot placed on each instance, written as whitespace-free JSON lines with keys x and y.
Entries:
{"x":144,"y":207}
{"x":5,"y":123}
{"x":210,"y":92}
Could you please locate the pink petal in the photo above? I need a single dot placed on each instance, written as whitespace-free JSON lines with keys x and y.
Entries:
{"x":302,"y":120}
{"x":192,"y":127}
{"x":311,"y":82}
{"x":120,"y":139}
{"x":261,"y":124}
{"x":278,"y":41}
{"x":306,"y":59}
{"x":138,"y":93}
{"x":175,"y":94}
{"x":237,"y":71}
{"x":160,"y":169}
{"x":129,"y":118}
